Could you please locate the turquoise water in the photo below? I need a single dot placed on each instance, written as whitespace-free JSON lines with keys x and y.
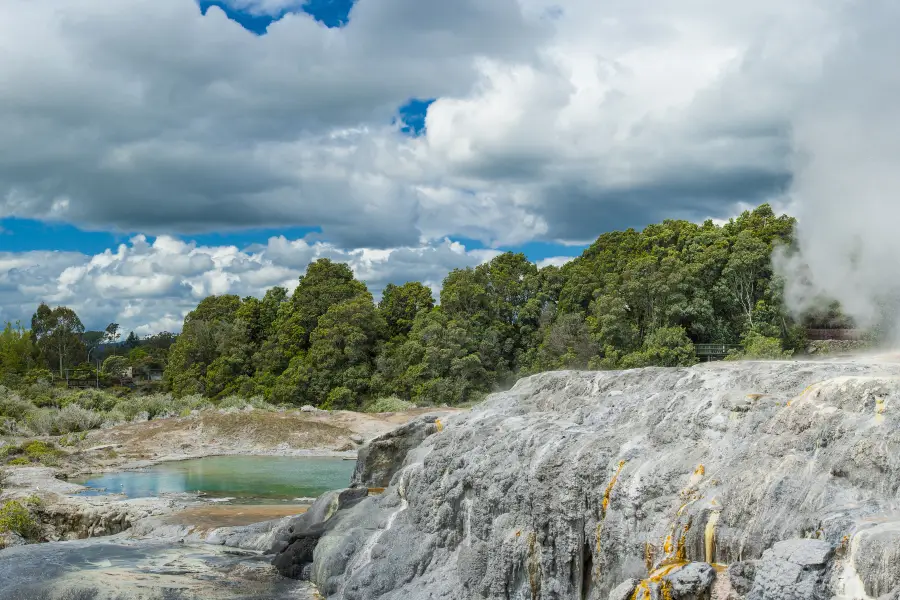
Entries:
{"x":243,"y":479}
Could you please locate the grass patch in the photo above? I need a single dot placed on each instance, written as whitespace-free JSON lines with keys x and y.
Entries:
{"x":36,"y":451}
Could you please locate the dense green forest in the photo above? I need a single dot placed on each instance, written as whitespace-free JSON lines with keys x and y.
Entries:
{"x":634,"y":298}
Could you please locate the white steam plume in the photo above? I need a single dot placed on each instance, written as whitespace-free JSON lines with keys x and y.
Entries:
{"x":846,"y":189}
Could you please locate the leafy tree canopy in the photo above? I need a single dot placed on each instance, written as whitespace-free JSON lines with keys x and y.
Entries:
{"x":632,"y":299}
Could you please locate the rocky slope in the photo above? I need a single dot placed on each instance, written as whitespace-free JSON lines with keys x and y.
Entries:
{"x":726,"y":480}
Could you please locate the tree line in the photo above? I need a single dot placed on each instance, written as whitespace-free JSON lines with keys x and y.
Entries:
{"x":632,"y":299}
{"x":57,"y":343}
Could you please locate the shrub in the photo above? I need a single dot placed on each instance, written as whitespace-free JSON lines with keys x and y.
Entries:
{"x":74,"y":418}
{"x":114,"y":417}
{"x":145,"y":408}
{"x":72,"y":439}
{"x":34,"y":501}
{"x":39,"y":450}
{"x":389,"y":404}
{"x":39,"y":377}
{"x":232,"y":403}
{"x":20,"y":461}
{"x":239,"y":403}
{"x":9,"y":450}
{"x":339,"y":398}
{"x":95,"y":400}
{"x":158,"y":406}
{"x":13,"y":406}
{"x":665,"y":347}
{"x":43,"y":394}
{"x":70,"y":419}
{"x":15,"y":518}
{"x":760,"y":347}
{"x":40,"y":421}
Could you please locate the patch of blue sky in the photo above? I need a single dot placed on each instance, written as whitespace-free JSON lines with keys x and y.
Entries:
{"x":26,"y":235}
{"x":412,"y":114}
{"x":536,"y":251}
{"x":331,"y":13}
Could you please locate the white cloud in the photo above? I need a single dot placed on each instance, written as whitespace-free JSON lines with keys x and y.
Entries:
{"x":552,"y":122}
{"x":555,"y":261}
{"x":149,"y":287}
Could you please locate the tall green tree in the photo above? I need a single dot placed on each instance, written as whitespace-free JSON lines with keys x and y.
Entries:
{"x":209,"y":333}
{"x":400,"y":305}
{"x":325,"y":284}
{"x":58,"y":333}
{"x":18,"y":353}
{"x":342,"y":348}
{"x":567,"y":344}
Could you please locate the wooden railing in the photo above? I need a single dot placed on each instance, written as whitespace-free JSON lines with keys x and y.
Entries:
{"x":713,"y":350}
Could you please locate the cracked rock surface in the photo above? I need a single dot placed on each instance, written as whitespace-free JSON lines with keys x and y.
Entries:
{"x":725,"y":480}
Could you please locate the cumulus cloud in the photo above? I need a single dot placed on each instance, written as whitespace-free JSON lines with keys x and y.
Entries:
{"x":552,"y":120}
{"x":554,"y":261}
{"x":152,"y":117}
{"x":149,"y":286}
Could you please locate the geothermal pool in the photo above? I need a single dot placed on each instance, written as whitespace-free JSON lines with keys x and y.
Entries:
{"x":233,"y":479}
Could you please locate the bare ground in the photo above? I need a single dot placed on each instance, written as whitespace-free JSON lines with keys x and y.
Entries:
{"x":210,"y":433}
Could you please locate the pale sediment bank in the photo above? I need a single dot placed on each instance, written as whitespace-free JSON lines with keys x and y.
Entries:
{"x":208,"y":517}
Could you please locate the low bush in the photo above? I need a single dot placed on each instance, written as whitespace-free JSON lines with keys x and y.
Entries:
{"x":240,"y":403}
{"x":389,"y":404}
{"x":38,"y":449}
{"x":9,"y":450}
{"x":340,"y":398}
{"x":760,"y":347}
{"x":72,"y":439}
{"x":40,"y":421}
{"x":73,"y":418}
{"x":30,"y":453}
{"x":16,"y":518}
{"x":12,"y":406}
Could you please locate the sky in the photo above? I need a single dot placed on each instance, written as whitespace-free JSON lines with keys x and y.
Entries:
{"x":158,"y":151}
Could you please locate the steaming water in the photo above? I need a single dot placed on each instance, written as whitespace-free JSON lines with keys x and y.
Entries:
{"x":234,"y":479}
